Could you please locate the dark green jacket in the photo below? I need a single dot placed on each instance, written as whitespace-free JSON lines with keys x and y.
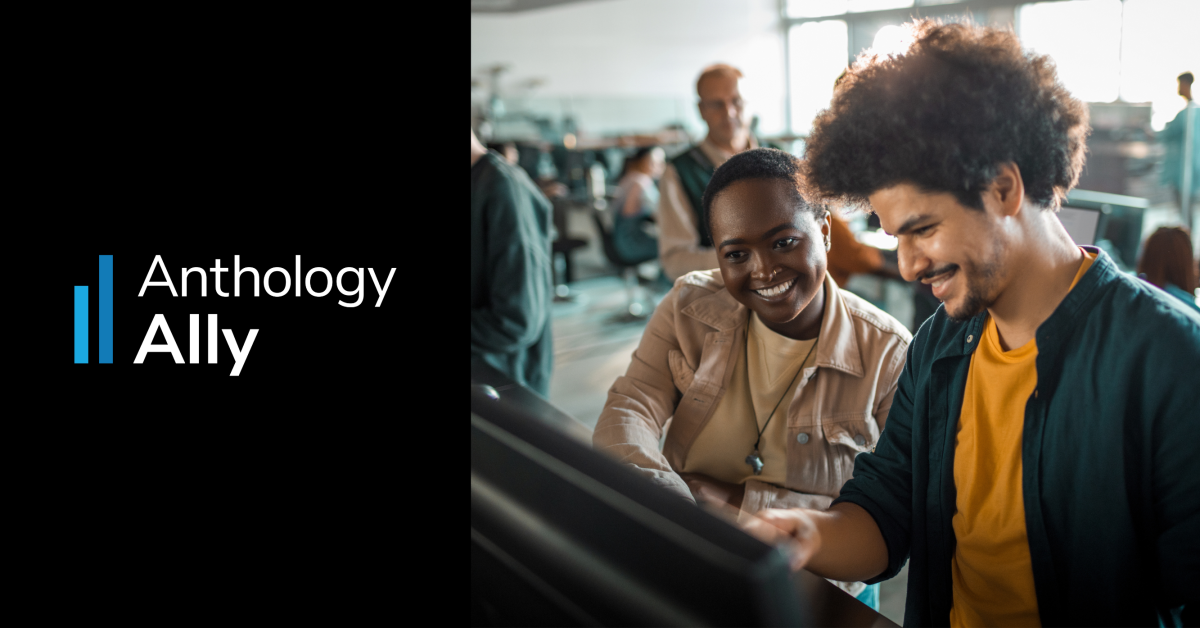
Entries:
{"x":695,"y":171}
{"x":511,"y":273}
{"x":1110,"y":453}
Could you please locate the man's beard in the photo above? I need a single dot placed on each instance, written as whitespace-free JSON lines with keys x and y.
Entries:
{"x":981,"y":291}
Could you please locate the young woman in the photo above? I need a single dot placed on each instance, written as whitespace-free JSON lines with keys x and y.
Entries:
{"x":635,"y":201}
{"x":770,"y":378}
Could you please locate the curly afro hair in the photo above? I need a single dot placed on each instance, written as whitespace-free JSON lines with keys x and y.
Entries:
{"x":943,"y":115}
{"x":759,"y":163}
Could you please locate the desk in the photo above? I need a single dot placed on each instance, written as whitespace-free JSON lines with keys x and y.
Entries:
{"x":828,"y":605}
{"x":831,"y":606}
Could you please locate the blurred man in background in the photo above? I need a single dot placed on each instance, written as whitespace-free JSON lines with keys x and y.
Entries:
{"x":684,"y":243}
{"x":511,"y":273}
{"x":1173,"y":136}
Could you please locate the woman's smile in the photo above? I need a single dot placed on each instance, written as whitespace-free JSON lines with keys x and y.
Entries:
{"x":778,"y":292}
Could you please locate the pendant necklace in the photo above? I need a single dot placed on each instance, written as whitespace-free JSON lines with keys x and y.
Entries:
{"x":755,"y":459}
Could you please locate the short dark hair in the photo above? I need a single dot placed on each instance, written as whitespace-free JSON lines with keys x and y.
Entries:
{"x":636,"y":156}
{"x":944,"y":115}
{"x":1186,"y":77}
{"x":759,"y":163}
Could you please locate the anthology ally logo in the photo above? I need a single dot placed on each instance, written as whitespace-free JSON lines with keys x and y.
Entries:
{"x":159,"y":322}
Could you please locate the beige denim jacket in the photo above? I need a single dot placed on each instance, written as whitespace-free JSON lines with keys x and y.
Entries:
{"x":682,"y":367}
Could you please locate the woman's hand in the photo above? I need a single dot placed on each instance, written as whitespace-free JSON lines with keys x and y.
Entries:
{"x":706,"y":489}
{"x":793,"y":530}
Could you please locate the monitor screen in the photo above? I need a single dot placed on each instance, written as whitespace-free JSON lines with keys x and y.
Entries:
{"x":1081,"y":224}
{"x":563,"y":535}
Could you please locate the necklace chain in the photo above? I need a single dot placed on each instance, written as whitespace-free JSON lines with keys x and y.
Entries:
{"x":754,"y":460}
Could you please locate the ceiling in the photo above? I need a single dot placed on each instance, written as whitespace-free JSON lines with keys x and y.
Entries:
{"x":517,"y":6}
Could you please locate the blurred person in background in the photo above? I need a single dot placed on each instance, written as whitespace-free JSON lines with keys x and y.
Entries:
{"x":635,"y":201}
{"x":1167,"y":263}
{"x":508,"y":150}
{"x":1037,"y":466}
{"x":772,"y":379}
{"x":848,"y":256}
{"x":1173,"y":137}
{"x":511,"y":271}
{"x":684,"y":242}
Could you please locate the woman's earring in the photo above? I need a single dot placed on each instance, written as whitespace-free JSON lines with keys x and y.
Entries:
{"x":828,"y":244}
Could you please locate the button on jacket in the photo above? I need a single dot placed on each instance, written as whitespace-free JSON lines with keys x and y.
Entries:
{"x":1110,"y":469}
{"x":682,"y":367}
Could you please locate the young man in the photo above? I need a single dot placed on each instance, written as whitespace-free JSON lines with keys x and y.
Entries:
{"x":1038,"y":464}
{"x":1173,"y":137}
{"x":684,"y":243}
{"x":511,"y":274}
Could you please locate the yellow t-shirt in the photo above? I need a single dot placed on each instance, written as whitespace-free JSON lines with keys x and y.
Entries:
{"x":991,"y":569}
{"x":762,"y":374}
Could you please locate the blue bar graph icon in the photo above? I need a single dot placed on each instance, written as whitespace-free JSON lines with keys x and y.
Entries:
{"x":106,"y":315}
{"x":81,"y":324}
{"x":106,"y":309}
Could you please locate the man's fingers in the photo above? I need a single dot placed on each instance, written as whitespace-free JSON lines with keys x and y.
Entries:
{"x":790,"y":530}
{"x":797,"y":554}
{"x":784,"y":520}
{"x":763,"y":530}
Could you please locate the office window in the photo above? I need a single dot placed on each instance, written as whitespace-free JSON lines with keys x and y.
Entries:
{"x":818,"y":53}
{"x":1084,"y":39}
{"x":891,"y":40}
{"x":1158,"y":43}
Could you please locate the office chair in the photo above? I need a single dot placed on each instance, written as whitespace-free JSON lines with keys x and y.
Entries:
{"x":627,"y":269}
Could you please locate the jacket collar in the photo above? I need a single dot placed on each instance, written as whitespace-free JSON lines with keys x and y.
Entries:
{"x":965,"y":338}
{"x":837,"y":346}
{"x":1056,"y":329}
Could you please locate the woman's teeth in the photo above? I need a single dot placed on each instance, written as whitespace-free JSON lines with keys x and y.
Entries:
{"x":777,"y":290}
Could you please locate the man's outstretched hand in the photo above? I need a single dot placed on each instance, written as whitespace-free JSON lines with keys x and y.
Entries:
{"x":792,"y":530}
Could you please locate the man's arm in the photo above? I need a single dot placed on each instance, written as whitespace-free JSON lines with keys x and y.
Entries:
{"x":519,"y":264}
{"x":679,"y":250}
{"x":1174,"y":129}
{"x":842,"y":543}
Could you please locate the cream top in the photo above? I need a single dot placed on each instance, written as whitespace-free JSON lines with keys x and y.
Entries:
{"x":764,"y":373}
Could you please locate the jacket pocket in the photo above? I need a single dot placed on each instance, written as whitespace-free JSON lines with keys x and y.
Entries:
{"x":681,"y":374}
{"x":859,"y":434}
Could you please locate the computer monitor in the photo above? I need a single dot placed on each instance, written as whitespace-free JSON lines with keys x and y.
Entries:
{"x":563,"y":535}
{"x":1081,"y":224}
{"x":1119,"y":223}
